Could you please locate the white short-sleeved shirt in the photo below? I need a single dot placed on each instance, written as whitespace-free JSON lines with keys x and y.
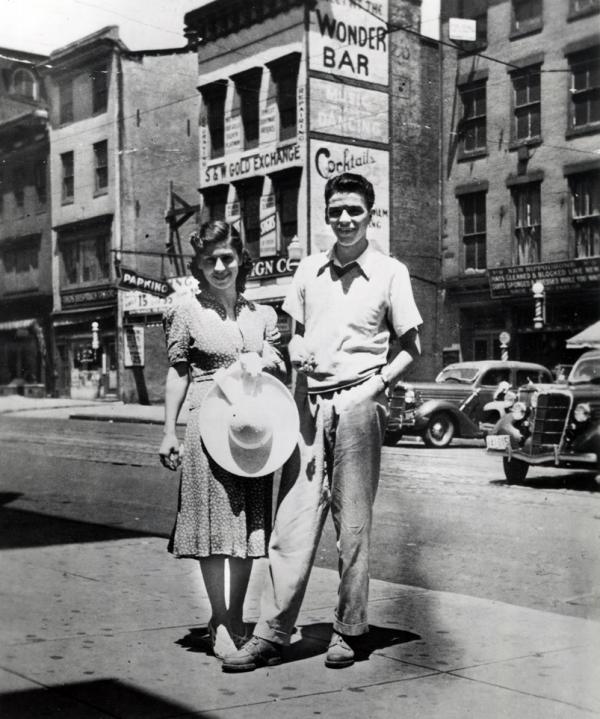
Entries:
{"x":348,"y":319}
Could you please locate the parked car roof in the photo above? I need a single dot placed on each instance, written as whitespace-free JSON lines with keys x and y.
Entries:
{"x":484,"y":364}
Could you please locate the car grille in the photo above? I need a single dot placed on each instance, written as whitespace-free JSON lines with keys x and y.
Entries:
{"x":549,"y":421}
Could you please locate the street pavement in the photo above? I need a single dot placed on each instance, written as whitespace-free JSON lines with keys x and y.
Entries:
{"x":104,"y":623}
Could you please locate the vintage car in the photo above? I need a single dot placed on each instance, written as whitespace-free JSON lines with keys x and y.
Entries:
{"x":553,"y":425}
{"x":466,"y":400}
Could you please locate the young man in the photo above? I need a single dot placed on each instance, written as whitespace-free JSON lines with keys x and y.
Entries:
{"x":347,"y":303}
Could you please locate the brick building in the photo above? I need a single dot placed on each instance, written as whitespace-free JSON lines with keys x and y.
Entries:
{"x":122,"y":137}
{"x":293,"y":92}
{"x":521,"y":187}
{"x":25,"y":237}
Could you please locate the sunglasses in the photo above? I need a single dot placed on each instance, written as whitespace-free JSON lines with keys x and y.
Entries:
{"x":334,"y":213}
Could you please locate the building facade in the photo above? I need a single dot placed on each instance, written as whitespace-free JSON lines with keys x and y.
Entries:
{"x":121,"y":138}
{"x":25,"y":235}
{"x":521,"y":181}
{"x":293,"y":92}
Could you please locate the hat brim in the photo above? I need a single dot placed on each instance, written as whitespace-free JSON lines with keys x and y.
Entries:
{"x":280,"y":410}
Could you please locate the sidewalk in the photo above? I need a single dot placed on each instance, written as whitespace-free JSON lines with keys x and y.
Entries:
{"x":110,"y":411}
{"x":116,"y":628}
{"x":98,"y":623}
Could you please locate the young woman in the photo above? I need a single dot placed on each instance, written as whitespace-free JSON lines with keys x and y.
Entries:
{"x":221,"y":518}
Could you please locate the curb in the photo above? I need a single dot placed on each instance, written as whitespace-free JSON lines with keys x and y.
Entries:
{"x":130,"y":419}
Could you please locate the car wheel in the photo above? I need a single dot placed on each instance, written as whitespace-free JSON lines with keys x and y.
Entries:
{"x":440,"y":431}
{"x":515,"y":470}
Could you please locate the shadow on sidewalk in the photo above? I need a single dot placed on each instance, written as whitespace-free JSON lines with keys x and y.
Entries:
{"x":92,"y":700}
{"x":310,"y":640}
{"x":22,"y":528}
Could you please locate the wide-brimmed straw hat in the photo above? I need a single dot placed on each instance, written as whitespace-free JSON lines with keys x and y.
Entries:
{"x":249,"y":425}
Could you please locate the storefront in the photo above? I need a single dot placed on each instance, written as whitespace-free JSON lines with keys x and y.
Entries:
{"x":85,"y":346}
{"x":539,"y":305}
{"x":23,"y":358}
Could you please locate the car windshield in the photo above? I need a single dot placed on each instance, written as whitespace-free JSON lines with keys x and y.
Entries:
{"x":586,"y":371}
{"x":458,"y":374}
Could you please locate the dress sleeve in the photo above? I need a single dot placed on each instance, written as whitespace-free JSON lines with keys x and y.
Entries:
{"x":177,"y":334}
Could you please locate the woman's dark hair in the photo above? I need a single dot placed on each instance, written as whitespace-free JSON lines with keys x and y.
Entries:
{"x":350,"y":182}
{"x":206,"y":237}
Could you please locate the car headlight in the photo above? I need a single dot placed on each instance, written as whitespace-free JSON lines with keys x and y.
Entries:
{"x":518,"y":410}
{"x":582,"y":412}
{"x":409,"y":396}
{"x":534,"y":399}
{"x":510,"y":398}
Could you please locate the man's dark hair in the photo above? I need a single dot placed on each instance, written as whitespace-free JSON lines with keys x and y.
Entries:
{"x":206,"y":237}
{"x":350,"y":182}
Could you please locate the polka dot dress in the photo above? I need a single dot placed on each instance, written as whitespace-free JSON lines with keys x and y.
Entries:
{"x":218,"y":512}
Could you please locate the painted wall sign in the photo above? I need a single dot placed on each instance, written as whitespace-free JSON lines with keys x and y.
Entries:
{"x":517,"y":281}
{"x":132,"y":280}
{"x":340,"y":109}
{"x":249,"y":164}
{"x":350,"y":41}
{"x":133,"y":346}
{"x":332,"y":158}
{"x":274,"y":266}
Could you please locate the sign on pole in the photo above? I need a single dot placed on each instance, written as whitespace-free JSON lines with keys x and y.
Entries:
{"x":462,"y":29}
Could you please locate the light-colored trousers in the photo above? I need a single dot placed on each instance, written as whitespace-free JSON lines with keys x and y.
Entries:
{"x":336,"y":464}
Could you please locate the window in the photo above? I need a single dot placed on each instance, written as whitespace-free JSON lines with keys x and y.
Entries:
{"x":583,"y":8}
{"x":65,"y":101}
{"x":99,"y":89}
{"x":537,"y":376}
{"x":101,"y":167}
{"x":21,"y":267}
{"x":526,"y":16}
{"x":247,"y":87}
{"x":528,"y":223}
{"x":473,"y":231}
{"x":214,"y":104}
{"x":472,"y":129}
{"x":585,"y":213}
{"x":86,"y":261}
{"x":249,"y":196}
{"x":40,"y":181}
{"x":585,"y":88}
{"x":286,"y":202}
{"x":474,"y":10}
{"x":19,"y":190}
{"x":284,"y":75}
{"x":215,"y":201}
{"x":526,"y":104}
{"x":493,"y":377}
{"x":24,"y":83}
{"x":68,"y":178}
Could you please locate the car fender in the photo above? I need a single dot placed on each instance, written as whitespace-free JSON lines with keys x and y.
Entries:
{"x":588,"y":441}
{"x":425,"y":411}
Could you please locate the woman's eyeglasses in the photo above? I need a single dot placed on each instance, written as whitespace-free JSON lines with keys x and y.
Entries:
{"x":334,"y":213}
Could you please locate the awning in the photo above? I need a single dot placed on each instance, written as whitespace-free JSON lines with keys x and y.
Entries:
{"x":10,"y":325}
{"x":587,"y":338}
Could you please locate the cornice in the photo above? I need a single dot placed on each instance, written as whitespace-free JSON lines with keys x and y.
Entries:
{"x":224,"y":17}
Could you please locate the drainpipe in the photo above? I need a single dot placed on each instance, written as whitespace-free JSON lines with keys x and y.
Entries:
{"x":117,"y":228}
